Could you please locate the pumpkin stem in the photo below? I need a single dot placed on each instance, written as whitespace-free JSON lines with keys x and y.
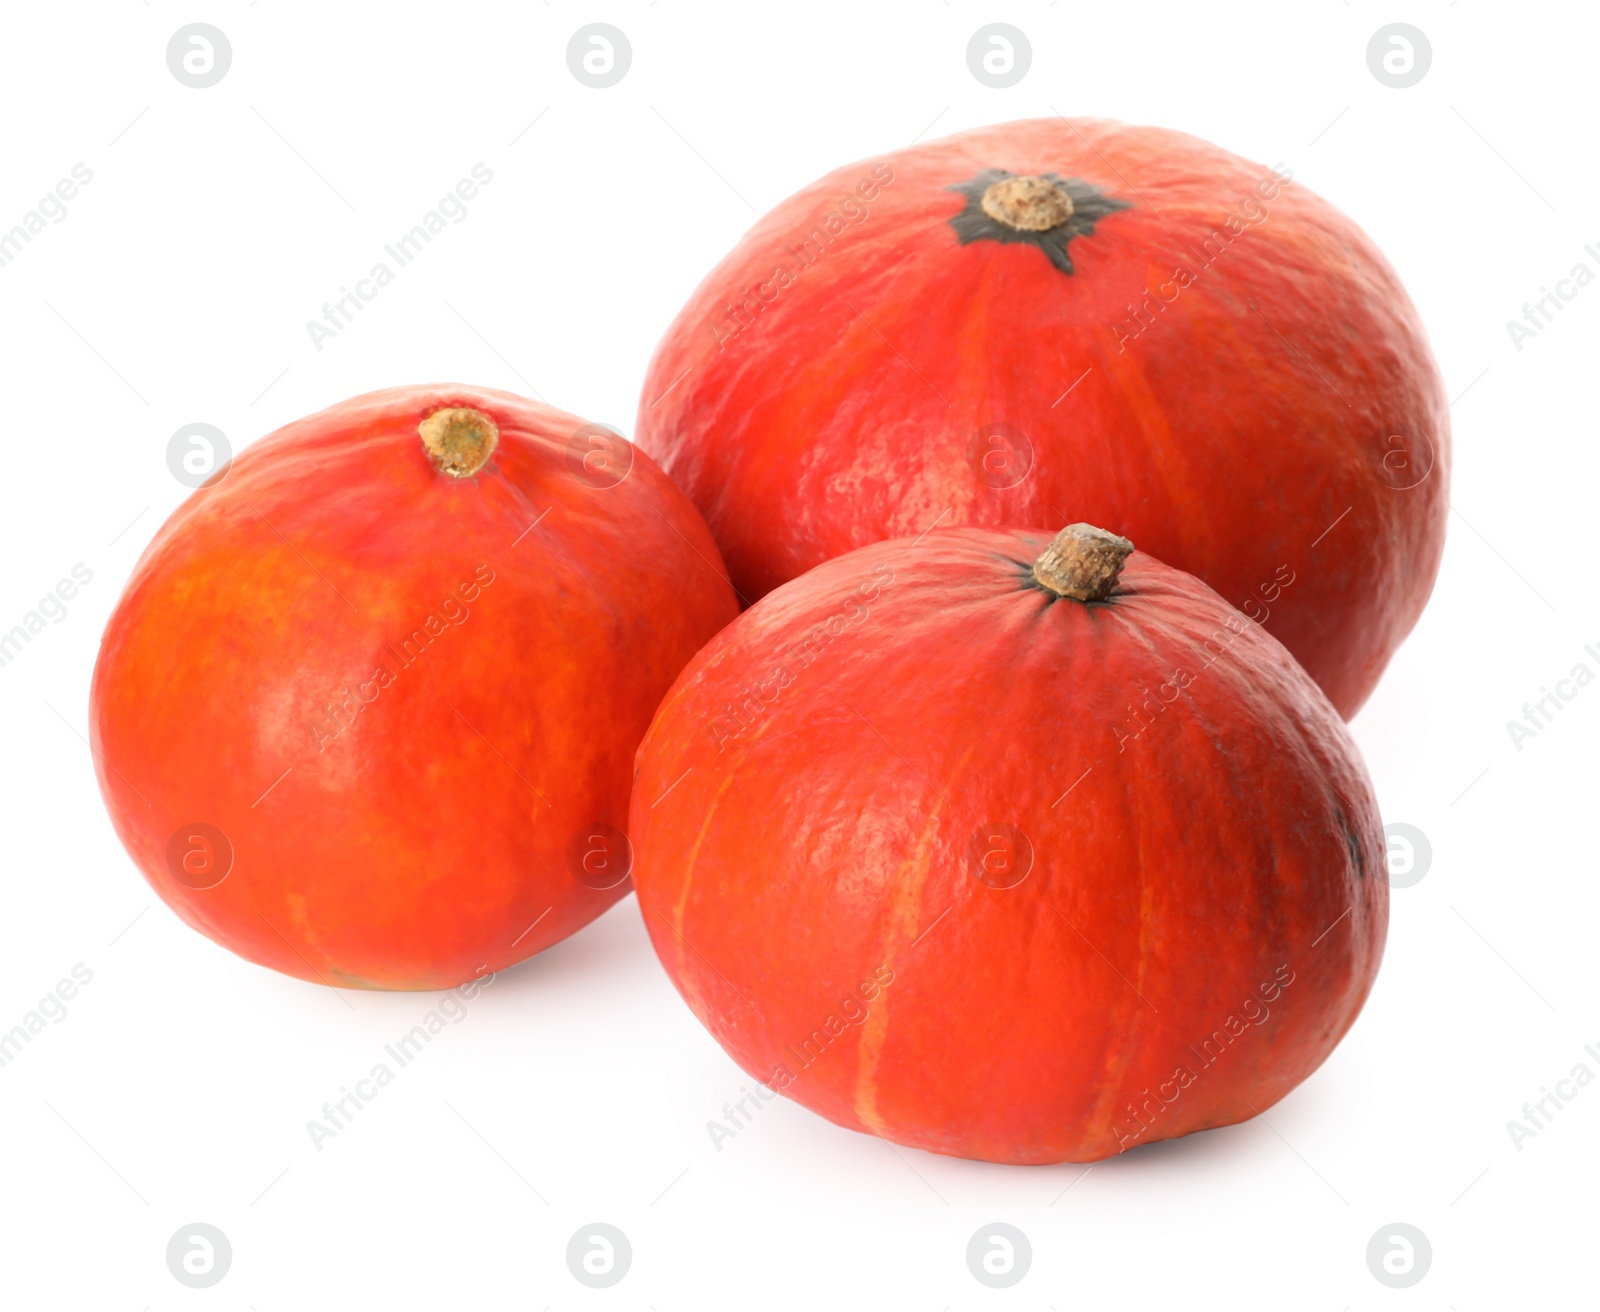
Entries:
{"x":459,"y":441}
{"x":1082,"y":562}
{"x":1028,"y":203}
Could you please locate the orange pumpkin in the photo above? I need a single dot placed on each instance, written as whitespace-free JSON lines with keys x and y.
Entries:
{"x":367,"y":709}
{"x":1010,"y":848}
{"x":1072,"y":319}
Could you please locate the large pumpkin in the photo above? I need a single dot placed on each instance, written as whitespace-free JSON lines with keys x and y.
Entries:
{"x":973,"y":844}
{"x":367,"y":710}
{"x":1072,"y":319}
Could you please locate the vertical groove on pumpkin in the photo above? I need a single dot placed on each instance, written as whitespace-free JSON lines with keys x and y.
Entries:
{"x":1100,"y":1123}
{"x":1266,"y":905}
{"x":905,"y":923}
{"x":685,"y":975}
{"x":905,"y":914}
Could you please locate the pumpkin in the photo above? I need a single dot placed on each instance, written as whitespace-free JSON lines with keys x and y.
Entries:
{"x":1012,"y":848}
{"x":1072,"y":319}
{"x":367,"y":709}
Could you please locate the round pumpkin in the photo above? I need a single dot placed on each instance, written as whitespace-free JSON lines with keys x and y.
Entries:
{"x":367,"y":709}
{"x":1072,"y":319}
{"x":1010,"y":848}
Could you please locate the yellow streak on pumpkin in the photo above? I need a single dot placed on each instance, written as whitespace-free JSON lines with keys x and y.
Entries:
{"x":1166,"y":460}
{"x":685,"y":977}
{"x":1099,"y":1122}
{"x":905,"y":915}
{"x":1228,"y":332}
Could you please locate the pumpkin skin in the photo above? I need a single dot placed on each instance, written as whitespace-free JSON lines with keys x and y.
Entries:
{"x":1231,"y":374}
{"x":905,"y":850}
{"x":383,"y":710}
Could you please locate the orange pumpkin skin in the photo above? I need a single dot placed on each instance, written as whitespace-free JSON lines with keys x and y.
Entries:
{"x":383,"y":707}
{"x":838,"y":796}
{"x":1231,"y":374}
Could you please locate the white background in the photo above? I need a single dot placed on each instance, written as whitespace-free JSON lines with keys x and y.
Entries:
{"x":578,"y":1088}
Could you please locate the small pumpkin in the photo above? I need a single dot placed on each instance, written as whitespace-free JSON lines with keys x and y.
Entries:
{"x":1072,"y":319}
{"x":367,"y":708}
{"x":1009,"y":847}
